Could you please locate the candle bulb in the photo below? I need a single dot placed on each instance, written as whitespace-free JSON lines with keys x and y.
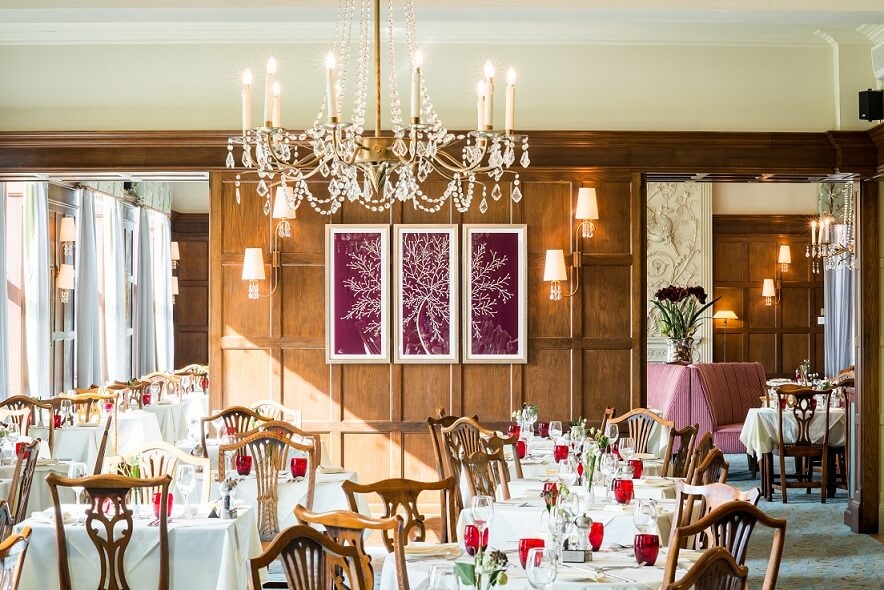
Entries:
{"x":480,"y":105}
{"x":416,"y":87}
{"x":268,"y":92}
{"x":822,"y":238}
{"x":331,"y":88}
{"x":813,"y":232}
{"x":509,"y":119}
{"x":246,"y":101}
{"x":276,"y":109}
{"x":489,"y":95}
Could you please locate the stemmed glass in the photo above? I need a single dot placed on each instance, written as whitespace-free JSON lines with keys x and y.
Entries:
{"x":612,"y":431}
{"x":568,"y":471}
{"x":529,"y":417}
{"x":644,"y":517}
{"x":561,"y":522}
{"x":626,"y":447}
{"x":482,"y":511}
{"x":66,"y":410}
{"x":555,"y":430}
{"x":442,"y":577}
{"x":608,"y":467}
{"x":77,"y":470}
{"x":541,"y":567}
{"x":185,"y":481}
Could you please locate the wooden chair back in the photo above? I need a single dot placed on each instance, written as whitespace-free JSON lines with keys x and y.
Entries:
{"x":640,"y":423}
{"x":42,"y":414}
{"x":349,"y":529}
{"x":88,"y":403}
{"x":102,"y":446}
{"x":679,"y":450}
{"x":485,"y":475}
{"x":20,"y":488}
{"x":311,"y":560}
{"x":192,"y":376}
{"x":16,"y":419}
{"x":716,"y":568}
{"x":268,"y":451}
{"x":701,"y":449}
{"x":440,"y":450}
{"x":802,"y":404}
{"x":155,"y":459}
{"x":401,"y":496}
{"x":109,"y":523}
{"x":694,"y":502}
{"x":13,"y":549}
{"x":730,"y":526}
{"x":164,"y":386}
{"x":130,"y":393}
{"x":276,"y":411}
{"x":713,"y":468}
{"x":498,"y":442}
{"x":236,"y":421}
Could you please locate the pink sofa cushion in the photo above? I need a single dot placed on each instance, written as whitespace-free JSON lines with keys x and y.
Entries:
{"x":727,"y":438}
{"x":669,"y":390}
{"x":730,"y":389}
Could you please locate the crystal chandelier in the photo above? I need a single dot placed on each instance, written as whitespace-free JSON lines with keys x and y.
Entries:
{"x":832,"y":234}
{"x":372,"y":168}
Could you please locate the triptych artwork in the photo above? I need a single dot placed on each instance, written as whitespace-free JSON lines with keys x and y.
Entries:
{"x":426,"y":307}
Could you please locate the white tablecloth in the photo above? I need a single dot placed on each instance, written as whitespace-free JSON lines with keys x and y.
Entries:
{"x":205,"y":554}
{"x":653,"y":487}
{"x":759,"y":432}
{"x":40,"y":498}
{"x":80,"y":443}
{"x":175,"y":418}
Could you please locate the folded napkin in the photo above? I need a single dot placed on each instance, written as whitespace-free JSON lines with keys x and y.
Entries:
{"x":47,"y":462}
{"x":653,"y":481}
{"x":330,"y":469}
{"x":577,"y":572}
{"x":644,"y":456}
{"x":618,"y":508}
{"x":443,"y":550}
{"x":48,"y":517}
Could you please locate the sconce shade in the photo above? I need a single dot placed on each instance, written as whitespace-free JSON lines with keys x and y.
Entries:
{"x":174,"y":285}
{"x":68,"y":230}
{"x":282,"y":208}
{"x":173,"y":249}
{"x":587,"y":204}
{"x":785,"y":255}
{"x":724,"y":314}
{"x":554,"y":269}
{"x":768,"y":289}
{"x":65,"y":278}
{"x":253,"y":265}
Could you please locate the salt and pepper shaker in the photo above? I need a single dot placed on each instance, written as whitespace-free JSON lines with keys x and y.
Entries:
{"x":228,"y":491}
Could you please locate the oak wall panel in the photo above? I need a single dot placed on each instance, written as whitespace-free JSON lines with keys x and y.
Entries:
{"x":605,"y":291}
{"x":366,"y":392}
{"x":425,"y":388}
{"x":604,"y":373}
{"x":247,"y":375}
{"x":372,"y":452}
{"x":306,"y":385}
{"x":547,"y":383}
{"x":303,"y":301}
{"x":418,"y":460}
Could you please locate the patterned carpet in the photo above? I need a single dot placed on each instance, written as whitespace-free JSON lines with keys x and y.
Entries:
{"x":821,"y":552}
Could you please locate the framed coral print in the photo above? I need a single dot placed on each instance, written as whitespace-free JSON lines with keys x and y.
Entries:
{"x":357,"y":293}
{"x":425,"y":283}
{"x":495,"y":294}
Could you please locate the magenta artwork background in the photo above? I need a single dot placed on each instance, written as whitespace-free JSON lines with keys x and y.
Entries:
{"x":494,"y":293}
{"x":425,"y":293}
{"x":357,"y":293}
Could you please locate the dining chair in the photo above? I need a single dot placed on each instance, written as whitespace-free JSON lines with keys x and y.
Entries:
{"x":679,"y":450}
{"x":191,"y":374}
{"x":350,"y":528}
{"x":640,"y":423}
{"x":701,"y":449}
{"x":401,"y":496}
{"x":464,"y":438}
{"x":292,"y":432}
{"x":606,"y":415}
{"x":158,"y":458}
{"x":15,"y":508}
{"x":88,"y":404}
{"x":163,"y":385}
{"x":130,"y":393}
{"x":236,"y":420}
{"x":16,"y":419}
{"x":311,"y":560}
{"x":713,"y":468}
{"x":107,"y":511}
{"x":502,"y":443}
{"x":716,"y":568}
{"x":693,"y":502}
{"x":276,"y":411}
{"x":268,"y":451}
{"x":484,"y":475}
{"x":730,"y":526}
{"x":42,"y":414}
{"x":102,"y":445}
{"x":435,"y":426}
{"x":801,"y":404}
{"x":13,"y":549}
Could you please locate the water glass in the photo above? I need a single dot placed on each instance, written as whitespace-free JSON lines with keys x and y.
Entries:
{"x":623,"y":490}
{"x":568,"y":471}
{"x":644,"y":517}
{"x":596,"y":535}
{"x":647,"y":547}
{"x":612,"y":431}
{"x":638,"y":468}
{"x":482,"y":511}
{"x":473,"y":539}
{"x":526,"y":545}
{"x":443,"y":577}
{"x":298,"y":467}
{"x":243,"y":464}
{"x":626,"y":447}
{"x":541,"y":567}
{"x":561,"y":452}
{"x":157,"y":499}
{"x":77,"y":470}
{"x":543,"y":429}
{"x":555,"y":429}
{"x":185,"y":481}
{"x":514,"y":430}
{"x":521,"y":449}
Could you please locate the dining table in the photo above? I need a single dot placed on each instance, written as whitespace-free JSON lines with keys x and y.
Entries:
{"x":40,"y":499}
{"x":205,"y":553}
{"x":177,"y":417}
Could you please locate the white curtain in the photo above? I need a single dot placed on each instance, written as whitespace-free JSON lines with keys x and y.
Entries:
{"x":86,"y":321}
{"x":145,"y":357}
{"x":4,"y":302}
{"x":38,"y":350}
{"x":161,"y":233}
{"x":114,"y":293}
{"x":838,"y":337}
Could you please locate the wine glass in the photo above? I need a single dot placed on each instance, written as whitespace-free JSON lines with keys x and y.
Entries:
{"x":626,"y":447}
{"x":608,"y":467}
{"x":555,"y":430}
{"x":482,"y":511}
{"x":542,"y":567}
{"x":77,"y":470}
{"x":561,"y":521}
{"x":568,"y":471}
{"x":185,"y":481}
{"x":644,"y":517}
{"x":612,"y":431}
{"x":442,"y":577}
{"x":66,"y":409}
{"x":529,"y":416}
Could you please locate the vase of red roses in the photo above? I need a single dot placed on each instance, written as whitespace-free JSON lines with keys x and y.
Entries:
{"x":677,"y":313}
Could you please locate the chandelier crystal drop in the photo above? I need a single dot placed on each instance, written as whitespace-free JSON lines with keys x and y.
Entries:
{"x":833,"y":234}
{"x":373,"y":168}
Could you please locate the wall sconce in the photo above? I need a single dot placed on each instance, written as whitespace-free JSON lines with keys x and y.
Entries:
{"x":253,"y":270}
{"x":587,"y":210}
{"x":769,"y":292}
{"x":175,"y":254}
{"x":67,"y":235}
{"x":784,"y":258}
{"x":64,"y":282}
{"x":771,"y":289}
{"x":283,"y":210}
{"x":554,"y":271}
{"x":174,"y":288}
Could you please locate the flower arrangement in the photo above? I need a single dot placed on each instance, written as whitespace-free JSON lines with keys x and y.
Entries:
{"x":487,"y":570}
{"x":679,"y":309}
{"x":524,"y":412}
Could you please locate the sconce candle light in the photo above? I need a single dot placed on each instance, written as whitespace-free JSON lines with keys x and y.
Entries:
{"x":554,"y":271}
{"x":769,"y":292}
{"x":253,"y":270}
{"x":64,"y":282}
{"x":175,"y":254}
{"x":283,"y":210}
{"x":67,"y":235}
{"x":784,"y":258}
{"x":587,"y":210}
{"x":174,"y":288}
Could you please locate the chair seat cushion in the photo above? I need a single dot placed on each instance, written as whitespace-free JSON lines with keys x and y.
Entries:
{"x":727,"y":438}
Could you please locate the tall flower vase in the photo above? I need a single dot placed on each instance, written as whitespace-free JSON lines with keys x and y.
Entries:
{"x":679,"y":350}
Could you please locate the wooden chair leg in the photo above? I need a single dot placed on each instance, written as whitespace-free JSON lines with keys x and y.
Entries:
{"x":753,"y":465}
{"x":783,"y":482}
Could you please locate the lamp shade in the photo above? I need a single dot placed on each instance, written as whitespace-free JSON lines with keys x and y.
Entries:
{"x":587,"y":204}
{"x":68,"y":230}
{"x":282,"y":204}
{"x":65,"y":279}
{"x":768,"y":289}
{"x":174,"y":285}
{"x":724,"y":314}
{"x":554,"y":269}
{"x":253,"y":265}
{"x":785,"y":255}
{"x":173,"y":249}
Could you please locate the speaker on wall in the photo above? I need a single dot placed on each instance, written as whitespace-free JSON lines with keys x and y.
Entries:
{"x":871,"y":105}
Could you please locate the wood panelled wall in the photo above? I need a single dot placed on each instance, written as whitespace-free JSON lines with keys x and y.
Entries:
{"x":191,"y":311}
{"x":745,"y":253}
{"x":583,"y":353}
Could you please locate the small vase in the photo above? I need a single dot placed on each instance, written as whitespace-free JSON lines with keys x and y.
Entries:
{"x":679,"y":350}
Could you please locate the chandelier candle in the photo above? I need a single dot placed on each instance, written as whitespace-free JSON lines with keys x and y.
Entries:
{"x":275,"y":116}
{"x":480,"y":105}
{"x":246,"y":101}
{"x":268,"y":92}
{"x":489,"y":96}
{"x":509,"y":118}
{"x":331,"y":88}
{"x":416,"y":88}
